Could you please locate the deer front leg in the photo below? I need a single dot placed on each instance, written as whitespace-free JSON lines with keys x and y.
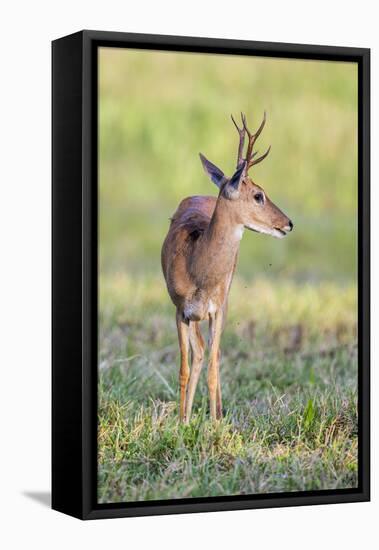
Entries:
{"x":219,"y":395}
{"x":197,"y":351}
{"x":215,"y":328}
{"x":183,"y":336}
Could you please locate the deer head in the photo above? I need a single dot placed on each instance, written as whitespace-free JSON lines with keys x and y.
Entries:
{"x":248,"y":203}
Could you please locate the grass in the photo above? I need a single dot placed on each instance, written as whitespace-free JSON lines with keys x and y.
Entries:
{"x":289,"y":391}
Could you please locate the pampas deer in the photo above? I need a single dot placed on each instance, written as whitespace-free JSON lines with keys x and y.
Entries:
{"x":199,"y":257}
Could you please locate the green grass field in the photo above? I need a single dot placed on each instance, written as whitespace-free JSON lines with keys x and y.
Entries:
{"x":289,"y":357}
{"x":289,"y":389}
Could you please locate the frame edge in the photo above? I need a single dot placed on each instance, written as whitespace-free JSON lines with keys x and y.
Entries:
{"x":67,"y":477}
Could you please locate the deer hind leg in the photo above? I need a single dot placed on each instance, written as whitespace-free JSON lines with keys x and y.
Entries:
{"x":183,"y":336}
{"x":197,"y":353}
{"x":214,"y":384}
{"x":219,"y":393}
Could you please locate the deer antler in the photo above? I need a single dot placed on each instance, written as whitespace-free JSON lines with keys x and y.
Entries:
{"x":252,"y":139}
{"x":250,"y":155}
{"x":241,"y":132}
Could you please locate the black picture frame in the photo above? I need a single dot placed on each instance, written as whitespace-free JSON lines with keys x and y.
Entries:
{"x":74,"y":272}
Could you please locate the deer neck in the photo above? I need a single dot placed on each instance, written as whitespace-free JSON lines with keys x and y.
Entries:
{"x":225,"y":229}
{"x":220,"y":244}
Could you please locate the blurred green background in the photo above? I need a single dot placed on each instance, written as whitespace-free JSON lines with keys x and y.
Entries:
{"x":289,"y":349}
{"x":159,"y":109}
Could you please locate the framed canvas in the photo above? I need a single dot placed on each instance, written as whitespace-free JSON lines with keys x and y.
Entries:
{"x":151,"y":243}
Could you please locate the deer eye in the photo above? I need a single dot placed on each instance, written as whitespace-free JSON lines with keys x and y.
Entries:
{"x":259,"y":198}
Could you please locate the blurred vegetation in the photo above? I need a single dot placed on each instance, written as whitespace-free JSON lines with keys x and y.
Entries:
{"x":159,"y":109}
{"x":289,"y":365}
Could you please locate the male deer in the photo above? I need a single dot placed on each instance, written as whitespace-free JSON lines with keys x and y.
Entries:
{"x":199,"y":257}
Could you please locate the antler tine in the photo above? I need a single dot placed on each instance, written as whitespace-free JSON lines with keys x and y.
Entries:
{"x":257,"y":133}
{"x":258,"y":160}
{"x":252,"y":139}
{"x":241,"y":133}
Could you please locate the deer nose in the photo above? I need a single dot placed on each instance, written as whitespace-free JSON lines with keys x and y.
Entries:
{"x":290,"y":225}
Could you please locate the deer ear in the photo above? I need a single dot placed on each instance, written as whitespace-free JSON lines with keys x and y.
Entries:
{"x":213,"y":172}
{"x":232,"y":187}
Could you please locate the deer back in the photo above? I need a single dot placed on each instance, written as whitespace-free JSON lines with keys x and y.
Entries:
{"x":188,"y":223}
